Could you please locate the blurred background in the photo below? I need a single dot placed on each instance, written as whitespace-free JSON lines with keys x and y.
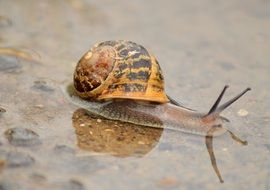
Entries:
{"x":201,"y":46}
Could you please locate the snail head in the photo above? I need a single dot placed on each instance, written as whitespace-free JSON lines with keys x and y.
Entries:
{"x":213,"y":116}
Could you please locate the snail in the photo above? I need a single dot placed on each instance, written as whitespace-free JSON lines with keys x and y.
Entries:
{"x":121,"y":80}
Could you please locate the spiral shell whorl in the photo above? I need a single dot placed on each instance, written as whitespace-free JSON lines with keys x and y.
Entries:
{"x":119,"y":69}
{"x":92,"y":70}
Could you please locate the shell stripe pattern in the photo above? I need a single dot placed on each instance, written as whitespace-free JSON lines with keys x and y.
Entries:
{"x":136,"y":74}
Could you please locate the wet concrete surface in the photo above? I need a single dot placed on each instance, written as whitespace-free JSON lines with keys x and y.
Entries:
{"x":46,"y":142}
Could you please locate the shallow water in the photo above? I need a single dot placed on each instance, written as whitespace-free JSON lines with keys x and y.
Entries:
{"x":201,"y":46}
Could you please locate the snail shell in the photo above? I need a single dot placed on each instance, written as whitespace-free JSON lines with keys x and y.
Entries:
{"x":119,"y":69}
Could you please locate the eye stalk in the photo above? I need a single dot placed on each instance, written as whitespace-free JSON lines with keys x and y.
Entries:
{"x":215,"y":110}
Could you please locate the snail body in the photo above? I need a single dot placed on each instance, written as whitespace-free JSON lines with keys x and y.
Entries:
{"x":121,"y":80}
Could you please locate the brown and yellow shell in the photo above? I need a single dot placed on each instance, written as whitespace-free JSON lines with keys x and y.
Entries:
{"x":119,"y":69}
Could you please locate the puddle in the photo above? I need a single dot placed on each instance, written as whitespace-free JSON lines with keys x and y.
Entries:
{"x":112,"y":137}
{"x":47,"y":142}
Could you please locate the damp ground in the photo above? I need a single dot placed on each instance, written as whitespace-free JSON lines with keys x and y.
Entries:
{"x":46,"y":142}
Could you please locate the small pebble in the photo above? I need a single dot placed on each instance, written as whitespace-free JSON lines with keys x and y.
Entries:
{"x":2,"y":110}
{"x":224,"y":149}
{"x":167,"y":182}
{"x":5,"y":21}
{"x":70,"y":185}
{"x":63,"y":150}
{"x":43,"y":86}
{"x":75,"y":185}
{"x":242,"y":112}
{"x":267,"y":147}
{"x":22,"y":137}
{"x":39,"y":106}
{"x":9,"y":64}
{"x":82,"y":125}
{"x":19,"y":159}
{"x":99,"y":120}
{"x":37,"y":177}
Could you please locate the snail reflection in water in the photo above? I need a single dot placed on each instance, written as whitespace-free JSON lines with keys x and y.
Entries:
{"x":120,"y":80}
{"x":116,"y":138}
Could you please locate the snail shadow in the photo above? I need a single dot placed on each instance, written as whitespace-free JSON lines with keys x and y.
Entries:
{"x":119,"y":139}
